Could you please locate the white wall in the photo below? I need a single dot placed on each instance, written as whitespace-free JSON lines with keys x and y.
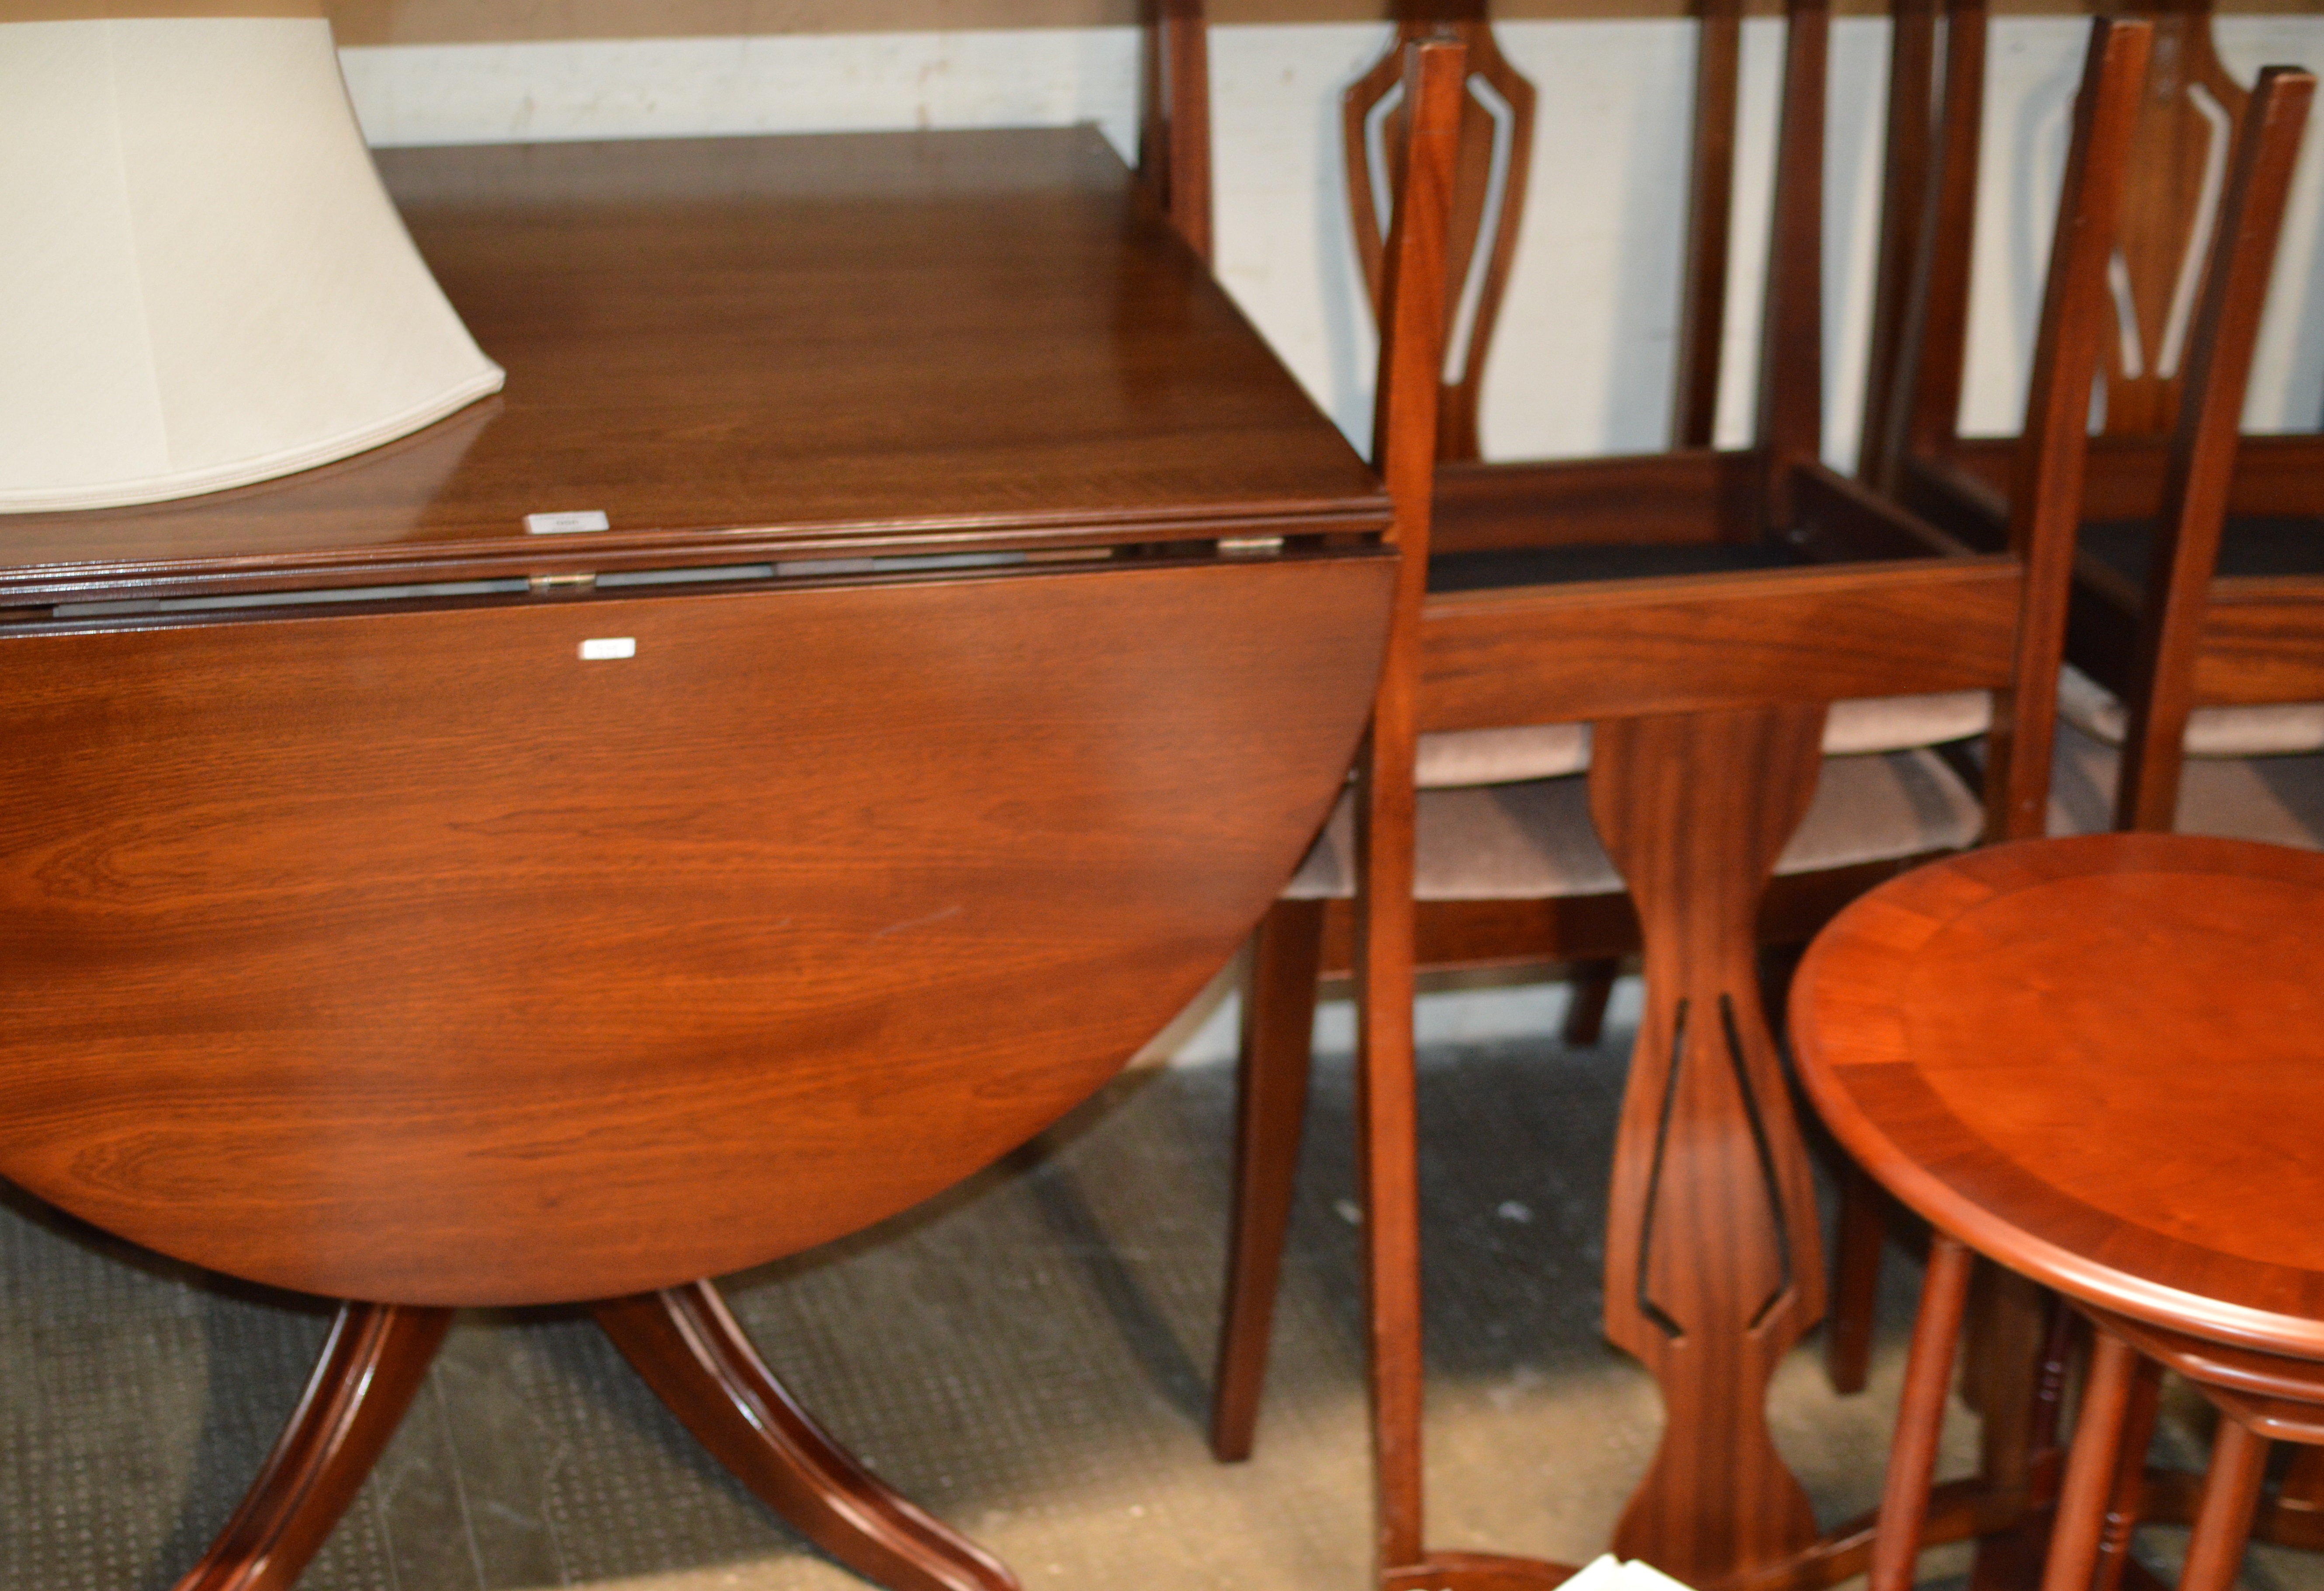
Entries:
{"x":1583,"y":360}
{"x":1583,"y":355}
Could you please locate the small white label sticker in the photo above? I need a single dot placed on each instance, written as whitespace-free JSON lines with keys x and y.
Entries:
{"x":609,"y":646}
{"x":565,"y":525}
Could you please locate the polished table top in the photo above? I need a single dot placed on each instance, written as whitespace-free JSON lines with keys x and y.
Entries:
{"x":740,"y":347}
{"x":553,"y":940}
{"x":2097,"y":1060}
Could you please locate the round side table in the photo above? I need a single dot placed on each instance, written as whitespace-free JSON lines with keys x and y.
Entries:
{"x":2100,"y":1063}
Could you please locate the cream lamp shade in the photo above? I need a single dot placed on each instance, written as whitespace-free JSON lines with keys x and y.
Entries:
{"x":202,"y":282}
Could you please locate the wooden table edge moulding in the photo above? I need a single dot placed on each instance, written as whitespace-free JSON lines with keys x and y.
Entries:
{"x":399,"y":908}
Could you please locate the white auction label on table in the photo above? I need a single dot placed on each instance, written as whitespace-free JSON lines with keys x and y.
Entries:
{"x":567,"y":523}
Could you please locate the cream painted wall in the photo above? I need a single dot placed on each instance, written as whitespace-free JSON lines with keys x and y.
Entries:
{"x":1583,"y":360}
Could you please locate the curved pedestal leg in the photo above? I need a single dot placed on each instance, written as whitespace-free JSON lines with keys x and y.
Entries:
{"x":372,"y":1364}
{"x":1714,"y":1267}
{"x":693,"y":1355}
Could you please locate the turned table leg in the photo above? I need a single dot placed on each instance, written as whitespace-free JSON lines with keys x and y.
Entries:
{"x":691,"y":1351}
{"x":1714,"y":1267}
{"x":372,"y":1365}
{"x":2215,"y":1551}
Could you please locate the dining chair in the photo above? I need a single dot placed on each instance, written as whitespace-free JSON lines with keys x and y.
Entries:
{"x":1518,"y":901}
{"x":2253,"y":682}
{"x":1702,"y":612}
{"x":2201,"y":766}
{"x":2209,"y":712}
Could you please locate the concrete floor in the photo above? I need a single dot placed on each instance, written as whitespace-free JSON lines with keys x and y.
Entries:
{"x":1028,"y":1358}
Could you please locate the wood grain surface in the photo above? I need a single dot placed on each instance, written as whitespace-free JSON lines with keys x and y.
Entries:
{"x":2136,"y":1066}
{"x":1679,"y":643}
{"x":744,"y":346}
{"x":408,"y":957}
{"x":1713,"y":1257}
{"x":1413,"y":281}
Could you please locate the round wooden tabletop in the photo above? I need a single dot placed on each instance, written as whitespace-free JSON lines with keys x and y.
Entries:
{"x":2099,"y":1062}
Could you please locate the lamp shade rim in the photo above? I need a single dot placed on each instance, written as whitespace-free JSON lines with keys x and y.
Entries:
{"x":252,"y":471}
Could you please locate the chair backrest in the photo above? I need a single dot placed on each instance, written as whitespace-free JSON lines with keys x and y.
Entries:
{"x":1173,"y":127}
{"x":2045,"y":498}
{"x":1489,"y":191}
{"x":1488,"y":202}
{"x":2224,"y":328}
{"x":2181,"y":149}
{"x":2179,"y":158}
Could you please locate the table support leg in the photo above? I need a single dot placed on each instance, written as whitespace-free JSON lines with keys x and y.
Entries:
{"x":1921,"y":1417}
{"x":373,"y":1362}
{"x":1713,"y":1263}
{"x":2230,"y":1495}
{"x":2145,"y":1406}
{"x":2091,"y":1466}
{"x":2020,"y":1400}
{"x":692,"y":1352}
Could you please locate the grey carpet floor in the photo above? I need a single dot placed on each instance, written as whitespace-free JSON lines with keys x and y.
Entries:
{"x":1028,"y":1358}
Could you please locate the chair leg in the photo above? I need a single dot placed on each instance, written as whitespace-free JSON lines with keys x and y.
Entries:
{"x":1854,"y":1282}
{"x":373,"y":1362}
{"x":2230,"y":1493}
{"x":1279,"y":1021}
{"x":2091,"y":1467}
{"x":1920,"y":1417}
{"x":1593,"y":986}
{"x":2129,"y":1476}
{"x":692,"y":1352}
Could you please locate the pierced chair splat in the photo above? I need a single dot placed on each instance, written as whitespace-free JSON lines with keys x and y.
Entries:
{"x":1718,"y":621}
{"x":2254,"y":676}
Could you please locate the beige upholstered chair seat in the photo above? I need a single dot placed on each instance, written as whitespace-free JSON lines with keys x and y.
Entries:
{"x":1502,"y":757}
{"x":2276,"y":799}
{"x":1534,"y":839}
{"x":2273,"y":729}
{"x":1547,"y":751}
